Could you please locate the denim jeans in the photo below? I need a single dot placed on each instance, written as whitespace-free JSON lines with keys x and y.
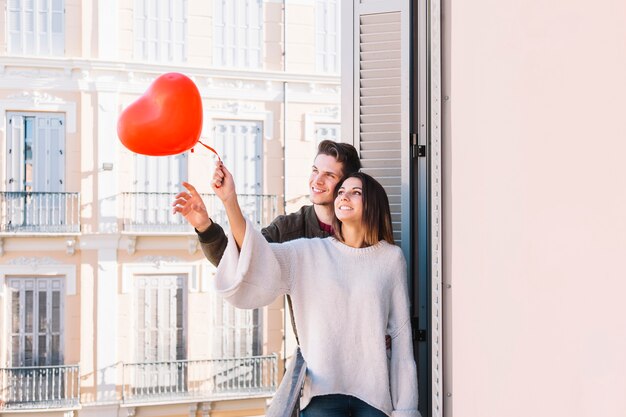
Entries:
{"x":339,"y":405}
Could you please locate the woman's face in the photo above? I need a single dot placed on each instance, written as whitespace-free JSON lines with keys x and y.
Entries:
{"x":349,"y":201}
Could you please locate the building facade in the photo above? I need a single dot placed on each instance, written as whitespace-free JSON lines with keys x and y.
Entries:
{"x":106,"y":305}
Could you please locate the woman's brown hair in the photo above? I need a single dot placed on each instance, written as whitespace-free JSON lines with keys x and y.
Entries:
{"x":376,"y":213}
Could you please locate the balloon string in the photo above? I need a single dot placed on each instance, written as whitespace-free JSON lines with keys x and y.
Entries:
{"x":211,"y":149}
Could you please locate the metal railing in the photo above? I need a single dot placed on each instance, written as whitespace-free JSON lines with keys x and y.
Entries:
{"x":39,"y":212}
{"x":36,"y":387}
{"x":200,"y":379}
{"x":152,"y":212}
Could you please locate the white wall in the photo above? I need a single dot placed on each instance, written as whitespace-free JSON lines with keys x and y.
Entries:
{"x":535,"y":208}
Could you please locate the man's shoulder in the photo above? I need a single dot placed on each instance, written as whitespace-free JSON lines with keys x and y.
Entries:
{"x":292,"y":226}
{"x":295,"y":218}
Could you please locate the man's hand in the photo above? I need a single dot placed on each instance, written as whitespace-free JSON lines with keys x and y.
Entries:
{"x":190,"y":205}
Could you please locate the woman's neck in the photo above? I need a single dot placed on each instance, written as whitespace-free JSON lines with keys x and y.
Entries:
{"x":353,"y":235}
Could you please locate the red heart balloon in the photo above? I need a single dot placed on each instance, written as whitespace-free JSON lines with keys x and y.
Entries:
{"x":165,"y":120}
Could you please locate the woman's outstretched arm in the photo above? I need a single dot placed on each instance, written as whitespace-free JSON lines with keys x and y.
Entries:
{"x":224,"y":187}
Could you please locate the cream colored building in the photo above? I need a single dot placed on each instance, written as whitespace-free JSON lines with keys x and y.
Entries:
{"x":105,"y":298}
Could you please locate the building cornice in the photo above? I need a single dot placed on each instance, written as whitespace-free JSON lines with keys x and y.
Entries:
{"x":80,"y":68}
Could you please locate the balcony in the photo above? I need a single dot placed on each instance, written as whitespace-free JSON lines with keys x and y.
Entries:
{"x":152,"y":212}
{"x":31,"y":212}
{"x":199,"y":380}
{"x":39,"y":387}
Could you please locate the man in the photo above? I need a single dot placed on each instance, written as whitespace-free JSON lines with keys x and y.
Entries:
{"x":333,"y":161}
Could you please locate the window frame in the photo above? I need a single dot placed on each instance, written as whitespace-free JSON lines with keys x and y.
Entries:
{"x":227,"y":20}
{"x":165,"y":19}
{"x":21,"y":285}
{"x":55,"y":43}
{"x":322,"y":30}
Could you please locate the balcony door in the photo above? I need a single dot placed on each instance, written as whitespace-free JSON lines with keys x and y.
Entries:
{"x":240,"y":143}
{"x":157,"y":180}
{"x":36,"y":339}
{"x":160,"y":324}
{"x":35,"y":176}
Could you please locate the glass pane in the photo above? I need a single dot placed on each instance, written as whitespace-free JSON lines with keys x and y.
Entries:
{"x":15,"y":312}
{"x":56,"y":311}
{"x":28,"y":351}
{"x":29,"y":311}
{"x":29,"y":22}
{"x":180,"y":346}
{"x":43,"y":312}
{"x":42,"y":350}
{"x":179,"y":308}
{"x":57,"y":5}
{"x":42,"y":21}
{"x":15,"y":351}
{"x":55,"y":348}
{"x":15,"y":21}
{"x":57,"y":23}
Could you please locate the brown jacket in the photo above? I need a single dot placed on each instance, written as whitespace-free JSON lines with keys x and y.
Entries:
{"x":303,"y":223}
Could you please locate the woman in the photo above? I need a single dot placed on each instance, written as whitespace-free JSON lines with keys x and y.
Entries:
{"x":350,"y":290}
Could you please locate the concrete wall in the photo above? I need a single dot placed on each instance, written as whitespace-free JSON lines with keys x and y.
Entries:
{"x":534,"y":201}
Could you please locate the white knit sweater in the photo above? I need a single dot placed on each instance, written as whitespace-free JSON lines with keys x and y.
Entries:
{"x":345,"y":301}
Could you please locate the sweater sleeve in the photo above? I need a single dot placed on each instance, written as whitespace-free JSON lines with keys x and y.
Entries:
{"x":402,"y":368}
{"x":255,"y":276}
{"x":213,"y":243}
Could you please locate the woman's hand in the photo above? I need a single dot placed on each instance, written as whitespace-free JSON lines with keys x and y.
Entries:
{"x":223,"y":183}
{"x":190,"y":205}
{"x":224,"y":187}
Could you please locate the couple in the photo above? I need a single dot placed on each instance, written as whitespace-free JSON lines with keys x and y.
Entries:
{"x":349,"y":291}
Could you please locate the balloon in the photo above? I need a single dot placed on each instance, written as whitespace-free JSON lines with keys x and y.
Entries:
{"x":165,"y":120}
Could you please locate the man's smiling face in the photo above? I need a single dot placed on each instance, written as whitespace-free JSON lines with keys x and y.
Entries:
{"x":325,"y":175}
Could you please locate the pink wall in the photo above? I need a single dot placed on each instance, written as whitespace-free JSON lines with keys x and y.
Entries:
{"x":535,"y":208}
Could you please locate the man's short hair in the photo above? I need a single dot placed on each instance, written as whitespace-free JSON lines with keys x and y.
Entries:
{"x":344,"y":153}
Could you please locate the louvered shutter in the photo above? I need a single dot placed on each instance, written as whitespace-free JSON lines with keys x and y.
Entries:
{"x":15,"y":153}
{"x":241,"y":146}
{"x":382,"y":127}
{"x":57,"y":153}
{"x":376,"y":112}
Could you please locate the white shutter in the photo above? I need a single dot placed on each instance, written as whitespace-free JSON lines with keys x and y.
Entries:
{"x":381,"y":74}
{"x":15,"y":153}
{"x":57,"y":154}
{"x":375,"y":111}
{"x":57,"y":28}
{"x":241,"y":142}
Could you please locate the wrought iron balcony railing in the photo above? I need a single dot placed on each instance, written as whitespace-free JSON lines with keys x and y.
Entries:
{"x":39,"y":212}
{"x":211,"y":379}
{"x":39,"y":387}
{"x":152,"y":212}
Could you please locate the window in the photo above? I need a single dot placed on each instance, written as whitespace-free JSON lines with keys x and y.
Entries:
{"x":36,"y":148}
{"x":35,"y":175}
{"x":238,"y":33}
{"x":161,"y":30}
{"x":237,"y":332}
{"x":327,"y":36}
{"x":330,"y":131}
{"x":36,"y":321}
{"x":36,"y":27}
{"x":160,"y":174}
{"x":160,"y":305}
{"x":157,"y":180}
